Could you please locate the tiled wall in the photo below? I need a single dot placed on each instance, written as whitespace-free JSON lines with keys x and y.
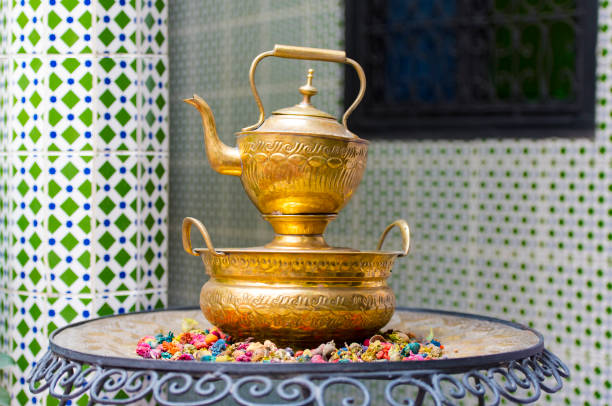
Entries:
{"x":516,"y":228}
{"x":211,"y":49}
{"x":83,"y":166}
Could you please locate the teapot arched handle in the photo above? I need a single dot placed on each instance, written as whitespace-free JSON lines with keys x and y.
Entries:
{"x":313,"y":54}
{"x":405,"y":230}
{"x":187,"y":222}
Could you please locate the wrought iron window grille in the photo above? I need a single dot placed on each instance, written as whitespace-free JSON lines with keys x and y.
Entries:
{"x":473,"y":68}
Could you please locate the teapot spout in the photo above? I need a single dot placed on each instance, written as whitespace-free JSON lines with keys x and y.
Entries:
{"x":222,"y":158}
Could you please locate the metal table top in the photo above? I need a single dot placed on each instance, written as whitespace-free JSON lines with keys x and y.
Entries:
{"x":488,"y":359}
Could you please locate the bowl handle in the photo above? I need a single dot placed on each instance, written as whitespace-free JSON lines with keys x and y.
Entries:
{"x":187,"y":222}
{"x":403,"y":226}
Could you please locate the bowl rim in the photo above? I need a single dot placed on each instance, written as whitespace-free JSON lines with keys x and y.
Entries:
{"x":301,"y":252}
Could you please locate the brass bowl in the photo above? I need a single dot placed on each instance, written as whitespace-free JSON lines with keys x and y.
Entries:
{"x":286,"y":173}
{"x":297,"y":297}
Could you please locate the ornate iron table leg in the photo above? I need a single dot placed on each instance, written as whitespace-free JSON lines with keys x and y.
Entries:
{"x":420,"y":397}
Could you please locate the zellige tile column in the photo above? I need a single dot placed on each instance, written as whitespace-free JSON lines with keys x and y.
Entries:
{"x":83,"y":167}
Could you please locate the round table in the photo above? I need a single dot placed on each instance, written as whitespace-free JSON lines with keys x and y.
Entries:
{"x":487,"y":359}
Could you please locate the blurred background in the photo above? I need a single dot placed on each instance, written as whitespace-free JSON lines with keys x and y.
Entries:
{"x":488,"y":129}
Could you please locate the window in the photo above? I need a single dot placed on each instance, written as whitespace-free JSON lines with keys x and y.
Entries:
{"x":462,"y":68}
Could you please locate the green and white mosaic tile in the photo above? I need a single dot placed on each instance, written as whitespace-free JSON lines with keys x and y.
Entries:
{"x":26,"y":27}
{"x":26,"y":217}
{"x":27,"y":90}
{"x":4,"y":103}
{"x":70,"y":92}
{"x":518,"y":229}
{"x":27,"y":326}
{"x":117,"y":246}
{"x":69,"y":27}
{"x":117,"y":26}
{"x":4,"y":336}
{"x":153,"y":300}
{"x":153,"y":223}
{"x":67,"y":221}
{"x":25,"y":222}
{"x":154,"y":103}
{"x":4,"y":222}
{"x":105,"y":305}
{"x":117,"y":93}
{"x":154,"y":27}
{"x":83,"y":116}
{"x":63,"y":309}
{"x":4,"y":24}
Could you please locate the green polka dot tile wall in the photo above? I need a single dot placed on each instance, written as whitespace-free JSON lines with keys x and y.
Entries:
{"x":83,"y":167}
{"x":515,"y":228}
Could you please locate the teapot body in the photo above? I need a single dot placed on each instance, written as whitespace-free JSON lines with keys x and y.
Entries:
{"x":285,"y":173}
{"x":300,"y":160}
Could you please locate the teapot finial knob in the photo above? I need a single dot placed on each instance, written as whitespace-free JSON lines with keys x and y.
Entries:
{"x":308,"y":90}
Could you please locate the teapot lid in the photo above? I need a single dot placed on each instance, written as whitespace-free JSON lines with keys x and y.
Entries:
{"x":305,"y":108}
{"x":304,"y":118}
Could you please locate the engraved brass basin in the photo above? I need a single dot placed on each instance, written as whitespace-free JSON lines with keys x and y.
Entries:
{"x":298,"y":161}
{"x":297,"y":297}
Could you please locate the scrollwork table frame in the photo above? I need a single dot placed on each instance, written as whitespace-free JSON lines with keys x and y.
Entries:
{"x":521,"y":377}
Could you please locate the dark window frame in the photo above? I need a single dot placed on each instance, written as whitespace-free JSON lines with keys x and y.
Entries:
{"x":379,"y":120}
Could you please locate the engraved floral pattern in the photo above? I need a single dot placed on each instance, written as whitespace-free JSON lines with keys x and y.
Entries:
{"x":290,"y":265}
{"x":277,"y":174}
{"x":287,"y":315}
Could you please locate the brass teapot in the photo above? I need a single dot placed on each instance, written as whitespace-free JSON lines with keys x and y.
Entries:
{"x":299,"y":166}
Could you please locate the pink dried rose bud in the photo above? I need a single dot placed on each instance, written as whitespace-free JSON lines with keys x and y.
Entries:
{"x":143,"y":350}
{"x":155,"y":353}
{"x":317,"y":359}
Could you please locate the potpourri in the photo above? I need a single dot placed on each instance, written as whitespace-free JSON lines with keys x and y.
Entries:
{"x":212,"y":345}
